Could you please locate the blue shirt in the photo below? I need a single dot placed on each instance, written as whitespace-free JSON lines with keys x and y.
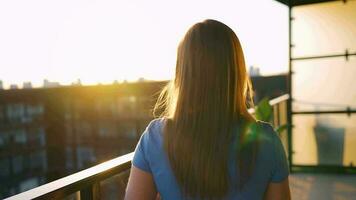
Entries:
{"x":270,"y":166}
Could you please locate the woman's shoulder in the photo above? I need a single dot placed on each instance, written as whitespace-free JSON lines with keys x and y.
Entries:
{"x":148,"y":146}
{"x":265,"y":134}
{"x":270,"y":142}
{"x":153,"y":131}
{"x":155,"y":125}
{"x":266,"y":128}
{"x":272,"y":151}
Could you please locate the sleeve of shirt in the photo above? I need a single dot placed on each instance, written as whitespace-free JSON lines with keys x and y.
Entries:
{"x":280,"y":169}
{"x":140,"y":159}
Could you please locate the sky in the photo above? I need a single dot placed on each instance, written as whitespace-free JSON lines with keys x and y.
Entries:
{"x":99,"y":41}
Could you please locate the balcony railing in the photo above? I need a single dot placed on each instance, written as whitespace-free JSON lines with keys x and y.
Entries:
{"x":86,"y":184}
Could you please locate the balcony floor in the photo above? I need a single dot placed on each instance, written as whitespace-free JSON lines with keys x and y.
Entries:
{"x":323,"y":186}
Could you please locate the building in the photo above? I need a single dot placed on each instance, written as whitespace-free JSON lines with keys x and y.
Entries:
{"x":14,"y":87}
{"x":254,"y":71}
{"x":48,"y":133}
{"x":27,"y":85}
{"x":269,"y":86}
{"x":50,"y":84}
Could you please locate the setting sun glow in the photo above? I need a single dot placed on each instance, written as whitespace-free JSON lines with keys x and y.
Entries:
{"x":103,"y":41}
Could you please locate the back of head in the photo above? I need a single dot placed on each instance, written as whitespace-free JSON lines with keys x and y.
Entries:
{"x":203,"y":103}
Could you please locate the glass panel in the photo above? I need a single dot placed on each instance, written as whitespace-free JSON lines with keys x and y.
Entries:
{"x":28,"y":184}
{"x":74,"y":196}
{"x":326,"y":28}
{"x":279,"y":120}
{"x":324,"y":140}
{"x":5,"y":167}
{"x":17,"y":164}
{"x":115,"y":186}
{"x":324,"y":84}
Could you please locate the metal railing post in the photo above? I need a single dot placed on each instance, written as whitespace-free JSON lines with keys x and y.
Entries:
{"x":92,"y":192}
{"x":290,"y":83}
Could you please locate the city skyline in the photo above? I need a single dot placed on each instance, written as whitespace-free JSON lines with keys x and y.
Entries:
{"x":252,"y":70}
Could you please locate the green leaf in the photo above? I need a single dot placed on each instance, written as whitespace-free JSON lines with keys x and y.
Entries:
{"x":253,"y":130}
{"x":281,"y":128}
{"x":263,"y":110}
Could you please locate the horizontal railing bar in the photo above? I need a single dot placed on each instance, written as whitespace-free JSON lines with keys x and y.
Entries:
{"x":347,"y":111}
{"x":65,"y":186}
{"x":305,"y":2}
{"x":279,"y":99}
{"x":346,"y":55}
{"x":273,"y":102}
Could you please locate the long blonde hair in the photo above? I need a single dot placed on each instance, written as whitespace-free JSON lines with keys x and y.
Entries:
{"x":203,"y":104}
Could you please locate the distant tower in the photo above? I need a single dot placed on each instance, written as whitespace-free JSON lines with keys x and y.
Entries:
{"x":14,"y":87}
{"x":45,"y":83}
{"x":254,"y":71}
{"x":27,"y":85}
{"x":49,"y":84}
{"x":77,"y":83}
